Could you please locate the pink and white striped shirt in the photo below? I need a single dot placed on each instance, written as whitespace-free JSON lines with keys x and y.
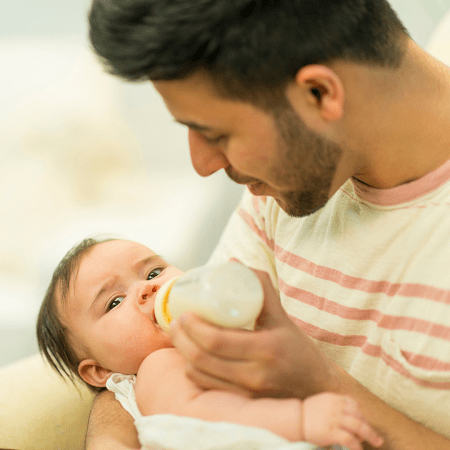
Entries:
{"x":368,"y":279}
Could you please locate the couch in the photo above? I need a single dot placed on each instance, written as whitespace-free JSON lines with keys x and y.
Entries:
{"x":38,"y":410}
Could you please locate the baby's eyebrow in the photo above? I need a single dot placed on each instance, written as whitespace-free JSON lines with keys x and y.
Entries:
{"x":145,"y":261}
{"x":108,"y":284}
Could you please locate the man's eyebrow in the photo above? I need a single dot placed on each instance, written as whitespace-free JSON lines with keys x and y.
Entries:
{"x":194,"y":126}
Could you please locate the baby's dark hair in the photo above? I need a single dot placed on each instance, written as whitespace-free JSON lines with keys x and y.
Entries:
{"x":52,"y":334}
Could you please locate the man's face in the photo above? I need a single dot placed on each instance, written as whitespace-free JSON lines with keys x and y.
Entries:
{"x":273,"y":153}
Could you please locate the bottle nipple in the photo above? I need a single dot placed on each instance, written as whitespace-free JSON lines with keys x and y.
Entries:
{"x":162,"y":313}
{"x":229,"y":295}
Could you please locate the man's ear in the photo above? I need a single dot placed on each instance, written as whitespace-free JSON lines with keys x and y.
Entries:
{"x":93,"y":373}
{"x":320,"y":89}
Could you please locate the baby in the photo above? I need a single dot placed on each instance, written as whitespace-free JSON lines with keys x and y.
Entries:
{"x":97,"y":322}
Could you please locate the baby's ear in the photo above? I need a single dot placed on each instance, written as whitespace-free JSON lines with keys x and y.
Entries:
{"x":92,"y":373}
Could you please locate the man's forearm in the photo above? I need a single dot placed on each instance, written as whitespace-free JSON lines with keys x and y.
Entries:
{"x":110,"y":426}
{"x":399,"y":431}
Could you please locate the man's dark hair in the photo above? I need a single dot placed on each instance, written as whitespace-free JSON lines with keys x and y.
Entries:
{"x":247,"y":47}
{"x":52,"y":334}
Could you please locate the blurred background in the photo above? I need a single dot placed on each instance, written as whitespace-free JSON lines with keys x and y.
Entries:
{"x":83,"y":153}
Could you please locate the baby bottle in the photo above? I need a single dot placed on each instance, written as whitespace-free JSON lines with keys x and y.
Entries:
{"x":229,"y":295}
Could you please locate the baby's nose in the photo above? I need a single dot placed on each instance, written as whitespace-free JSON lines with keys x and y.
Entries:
{"x":146,"y":292}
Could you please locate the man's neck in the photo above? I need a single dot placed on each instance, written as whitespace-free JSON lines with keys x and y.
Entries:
{"x":403,"y":124}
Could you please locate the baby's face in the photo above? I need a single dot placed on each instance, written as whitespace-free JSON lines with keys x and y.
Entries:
{"x":110,"y":307}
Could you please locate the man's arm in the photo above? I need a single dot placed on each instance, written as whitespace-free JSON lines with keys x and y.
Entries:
{"x":280,"y":360}
{"x":110,"y":426}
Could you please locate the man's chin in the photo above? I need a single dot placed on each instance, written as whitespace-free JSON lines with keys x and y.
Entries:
{"x":299,"y":208}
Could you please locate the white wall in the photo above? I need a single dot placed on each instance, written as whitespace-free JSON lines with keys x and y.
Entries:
{"x":83,"y":153}
{"x":420,"y":16}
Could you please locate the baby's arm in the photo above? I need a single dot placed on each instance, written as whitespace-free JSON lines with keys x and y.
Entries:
{"x":325,"y":419}
{"x":163,"y":388}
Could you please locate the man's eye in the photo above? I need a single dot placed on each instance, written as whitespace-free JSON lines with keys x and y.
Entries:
{"x":117,"y":301}
{"x":154,"y":273}
{"x":214,"y":139}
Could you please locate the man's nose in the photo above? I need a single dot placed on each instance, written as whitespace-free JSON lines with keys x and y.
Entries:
{"x":206,"y":158}
{"x":146,"y":290}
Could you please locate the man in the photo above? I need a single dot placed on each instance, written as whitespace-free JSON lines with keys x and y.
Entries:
{"x":338,"y":124}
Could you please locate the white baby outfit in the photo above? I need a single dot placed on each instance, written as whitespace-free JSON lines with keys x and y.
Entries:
{"x":171,"y":432}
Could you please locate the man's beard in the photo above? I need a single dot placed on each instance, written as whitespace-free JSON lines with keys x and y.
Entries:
{"x":307,"y":162}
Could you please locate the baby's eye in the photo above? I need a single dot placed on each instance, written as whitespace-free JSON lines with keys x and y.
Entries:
{"x":154,"y":273}
{"x":117,"y":301}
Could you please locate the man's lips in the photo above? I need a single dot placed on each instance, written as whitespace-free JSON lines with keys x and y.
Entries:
{"x":255,"y":186}
{"x":239,"y":179}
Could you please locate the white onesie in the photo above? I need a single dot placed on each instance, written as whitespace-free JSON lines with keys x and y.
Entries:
{"x":171,"y":432}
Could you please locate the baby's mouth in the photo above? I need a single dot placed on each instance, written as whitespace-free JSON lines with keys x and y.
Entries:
{"x":153,"y":315}
{"x":153,"y":319}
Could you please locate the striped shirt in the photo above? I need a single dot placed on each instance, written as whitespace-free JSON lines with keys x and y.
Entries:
{"x":368,"y":279}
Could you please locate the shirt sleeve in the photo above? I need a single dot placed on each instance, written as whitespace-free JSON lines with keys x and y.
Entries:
{"x":248,"y":236}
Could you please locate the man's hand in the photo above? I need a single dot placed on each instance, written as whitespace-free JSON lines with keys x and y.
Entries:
{"x":278,"y":359}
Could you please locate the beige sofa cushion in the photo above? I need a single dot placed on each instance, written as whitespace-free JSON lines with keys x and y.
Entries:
{"x":38,"y":410}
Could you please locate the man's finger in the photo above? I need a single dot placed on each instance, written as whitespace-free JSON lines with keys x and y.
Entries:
{"x":272,"y":310}
{"x":246,"y":372}
{"x":225,"y":343}
{"x":206,"y":381}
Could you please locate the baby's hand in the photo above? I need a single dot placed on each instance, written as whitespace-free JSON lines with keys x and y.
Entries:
{"x":336,"y":419}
